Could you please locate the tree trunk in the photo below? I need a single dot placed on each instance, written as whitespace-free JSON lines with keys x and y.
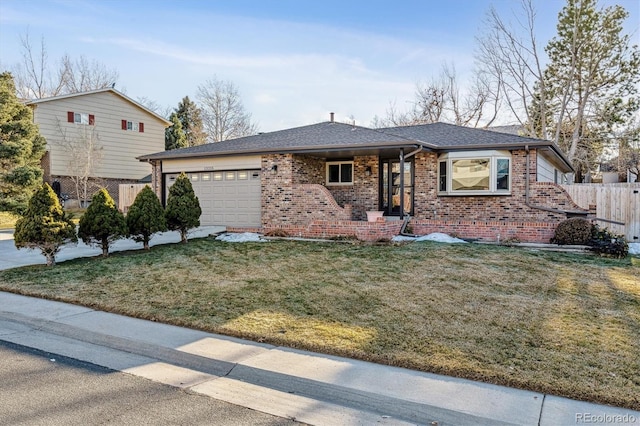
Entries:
{"x":145,"y":243}
{"x":51,"y":259}
{"x":183,"y":235}
{"x":105,"y":247}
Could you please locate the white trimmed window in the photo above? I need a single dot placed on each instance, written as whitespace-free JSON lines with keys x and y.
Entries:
{"x":133,"y":126}
{"x":474,"y":173}
{"x":340,"y":173}
{"x":81,"y":118}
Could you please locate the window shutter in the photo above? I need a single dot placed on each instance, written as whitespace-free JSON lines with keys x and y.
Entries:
{"x":124,"y":124}
{"x":141,"y":127}
{"x":70,"y":116}
{"x":92,"y":120}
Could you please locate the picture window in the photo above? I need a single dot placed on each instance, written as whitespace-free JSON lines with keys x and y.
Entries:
{"x":485,"y":173}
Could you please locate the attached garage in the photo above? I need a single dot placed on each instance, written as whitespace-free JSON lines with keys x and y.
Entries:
{"x":229,"y":198}
{"x":228,"y":188}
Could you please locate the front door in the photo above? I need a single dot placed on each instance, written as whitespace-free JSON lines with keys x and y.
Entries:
{"x":390,"y":187}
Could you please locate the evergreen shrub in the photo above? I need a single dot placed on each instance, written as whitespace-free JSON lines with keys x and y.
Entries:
{"x":45,"y":225}
{"x":102,"y":223}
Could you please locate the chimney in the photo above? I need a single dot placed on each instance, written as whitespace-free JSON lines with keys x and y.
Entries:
{"x":331,"y":117}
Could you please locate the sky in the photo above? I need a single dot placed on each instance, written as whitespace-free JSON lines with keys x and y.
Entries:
{"x":293,"y":61}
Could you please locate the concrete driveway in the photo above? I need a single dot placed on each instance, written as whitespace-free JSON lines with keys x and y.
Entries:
{"x":11,"y":257}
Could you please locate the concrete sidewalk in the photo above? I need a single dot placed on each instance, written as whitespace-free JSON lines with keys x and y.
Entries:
{"x":11,"y":257}
{"x":312,"y":388}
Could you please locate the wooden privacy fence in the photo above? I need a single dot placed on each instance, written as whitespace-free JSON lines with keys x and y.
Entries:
{"x":614,"y":201}
{"x":127,"y":193}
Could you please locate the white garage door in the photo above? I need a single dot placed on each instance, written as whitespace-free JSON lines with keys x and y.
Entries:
{"x":229,"y":198}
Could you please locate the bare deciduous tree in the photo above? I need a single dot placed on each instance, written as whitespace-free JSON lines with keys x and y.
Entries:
{"x":441,"y":99}
{"x":83,"y":153}
{"x":151,"y":105}
{"x":586,"y":91}
{"x":36,"y":79}
{"x":395,"y":118}
{"x":509,"y":60}
{"x":224,"y":116}
{"x":33,"y":77}
{"x":82,"y":74}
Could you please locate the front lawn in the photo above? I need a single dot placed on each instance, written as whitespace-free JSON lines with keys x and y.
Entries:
{"x":556,"y":323}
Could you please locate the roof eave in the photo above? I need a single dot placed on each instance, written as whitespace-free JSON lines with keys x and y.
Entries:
{"x":520,"y":145}
{"x":35,"y":102}
{"x":293,"y":150}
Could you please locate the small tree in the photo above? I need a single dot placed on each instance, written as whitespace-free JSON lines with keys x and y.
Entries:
{"x":145,"y":217}
{"x":84,"y":154}
{"x":45,"y":225}
{"x":102,"y":223}
{"x":183,"y":208}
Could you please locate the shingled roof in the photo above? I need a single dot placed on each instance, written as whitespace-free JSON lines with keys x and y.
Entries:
{"x":340,"y":137}
{"x":316,"y":137}
{"x":450,"y":136}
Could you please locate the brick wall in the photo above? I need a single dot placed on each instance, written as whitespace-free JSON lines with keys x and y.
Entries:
{"x":295,"y":171}
{"x":363,"y":194}
{"x":526,"y":232}
{"x":156,"y":177}
{"x":277,"y":190}
{"x":364,"y":231}
{"x":315,"y":202}
{"x":509,"y":208}
{"x":294,"y":199}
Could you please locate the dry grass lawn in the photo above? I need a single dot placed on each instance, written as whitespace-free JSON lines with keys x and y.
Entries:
{"x":557,"y":323}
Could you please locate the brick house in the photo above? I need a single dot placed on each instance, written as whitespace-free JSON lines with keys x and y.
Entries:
{"x":119,"y":128}
{"x":327,"y":179}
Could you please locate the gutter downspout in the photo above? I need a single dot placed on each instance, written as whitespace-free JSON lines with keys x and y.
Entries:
{"x":401,"y":182}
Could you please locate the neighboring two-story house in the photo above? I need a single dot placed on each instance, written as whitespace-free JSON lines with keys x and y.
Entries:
{"x":97,"y":134}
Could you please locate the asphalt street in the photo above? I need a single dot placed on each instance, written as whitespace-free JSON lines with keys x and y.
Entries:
{"x":40,"y":388}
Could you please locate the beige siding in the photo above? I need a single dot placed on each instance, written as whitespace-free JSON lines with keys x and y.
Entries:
{"x":546,"y":170}
{"x":210,"y":164}
{"x":119,"y":147}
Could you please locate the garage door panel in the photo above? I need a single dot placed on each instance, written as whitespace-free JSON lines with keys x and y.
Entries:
{"x":231,"y":198}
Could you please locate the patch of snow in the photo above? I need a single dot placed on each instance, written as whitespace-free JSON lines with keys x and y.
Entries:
{"x":436,"y":236}
{"x":402,"y":238}
{"x":634,"y":248}
{"x":441,"y":238}
{"x":240,"y":238}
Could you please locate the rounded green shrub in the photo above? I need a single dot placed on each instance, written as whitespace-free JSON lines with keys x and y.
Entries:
{"x":574,"y":231}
